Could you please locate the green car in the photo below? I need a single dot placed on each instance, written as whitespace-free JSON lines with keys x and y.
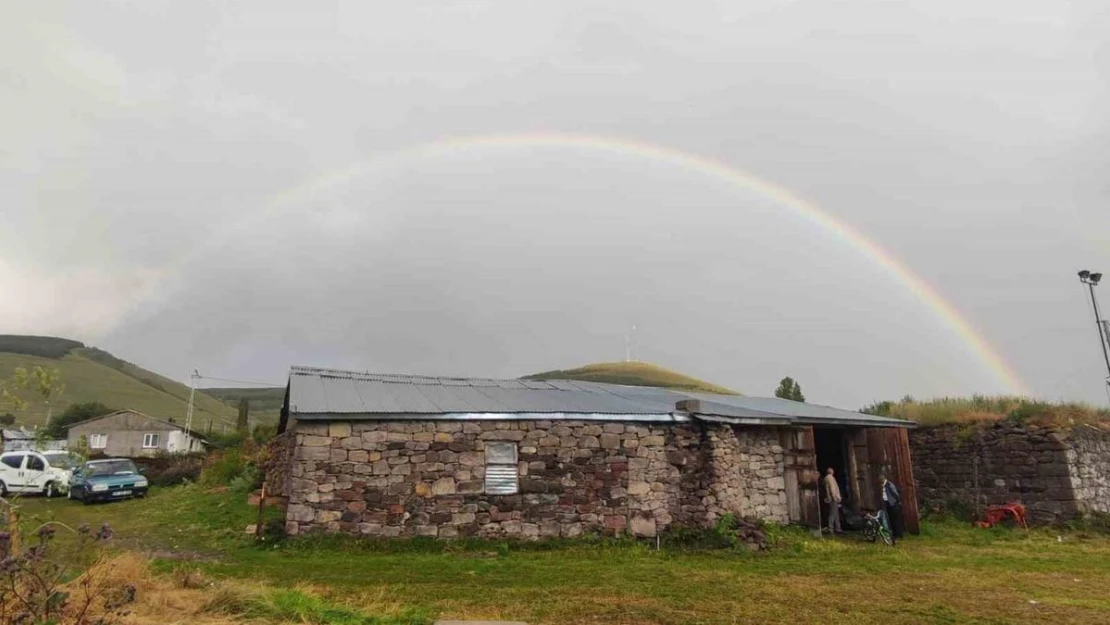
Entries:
{"x":108,"y":479}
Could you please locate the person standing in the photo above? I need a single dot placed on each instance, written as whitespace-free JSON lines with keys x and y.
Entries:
{"x":832,"y":497}
{"x":892,"y":507}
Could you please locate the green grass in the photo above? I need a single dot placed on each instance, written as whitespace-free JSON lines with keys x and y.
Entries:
{"x":117,"y":385}
{"x":632,"y":374}
{"x":953,"y":573}
{"x":980,"y":409}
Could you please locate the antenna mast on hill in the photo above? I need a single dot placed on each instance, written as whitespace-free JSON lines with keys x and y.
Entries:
{"x":628,"y":345}
{"x":189,"y":411}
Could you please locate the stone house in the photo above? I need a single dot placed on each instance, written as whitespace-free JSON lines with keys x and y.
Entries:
{"x":1058,"y":473}
{"x":132,"y":434}
{"x":398,"y":455}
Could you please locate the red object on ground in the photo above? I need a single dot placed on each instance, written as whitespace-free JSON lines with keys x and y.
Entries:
{"x":997,"y":514}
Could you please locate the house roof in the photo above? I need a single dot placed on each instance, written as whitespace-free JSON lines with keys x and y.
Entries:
{"x":322,"y":394}
{"x":175,"y":426}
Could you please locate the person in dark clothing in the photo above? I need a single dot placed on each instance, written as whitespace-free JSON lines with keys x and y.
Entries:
{"x":892,"y":507}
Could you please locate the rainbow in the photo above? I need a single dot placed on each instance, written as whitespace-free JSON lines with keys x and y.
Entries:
{"x":918,"y":287}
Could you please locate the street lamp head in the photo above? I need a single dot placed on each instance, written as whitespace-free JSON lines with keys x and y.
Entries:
{"x":1095,"y":277}
{"x":1083,"y":275}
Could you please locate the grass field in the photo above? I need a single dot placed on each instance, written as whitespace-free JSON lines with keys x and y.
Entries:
{"x":633,"y":374}
{"x":121,"y":386}
{"x":951,"y":574}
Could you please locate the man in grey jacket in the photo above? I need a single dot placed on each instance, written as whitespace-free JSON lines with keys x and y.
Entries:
{"x":892,"y":507}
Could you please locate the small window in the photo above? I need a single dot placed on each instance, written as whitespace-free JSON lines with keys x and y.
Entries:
{"x":501,"y":470}
{"x":98,"y":441}
{"x":150,"y":441}
{"x":34,"y":463}
{"x":14,"y":461}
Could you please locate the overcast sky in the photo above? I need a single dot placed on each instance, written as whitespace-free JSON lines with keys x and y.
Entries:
{"x":148,"y":151}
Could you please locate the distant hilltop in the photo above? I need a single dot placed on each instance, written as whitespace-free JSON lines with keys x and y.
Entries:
{"x":633,"y":374}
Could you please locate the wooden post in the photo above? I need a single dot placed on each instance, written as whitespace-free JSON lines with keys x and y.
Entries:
{"x":13,"y":529}
{"x":261,"y":505}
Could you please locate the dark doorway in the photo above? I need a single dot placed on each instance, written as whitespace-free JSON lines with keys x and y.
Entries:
{"x":831,"y":451}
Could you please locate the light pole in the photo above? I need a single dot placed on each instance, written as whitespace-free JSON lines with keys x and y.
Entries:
{"x":1092,"y":280}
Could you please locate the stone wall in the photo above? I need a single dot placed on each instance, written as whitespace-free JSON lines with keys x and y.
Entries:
{"x":426,"y":478}
{"x":1089,"y":459}
{"x":1057,"y":474}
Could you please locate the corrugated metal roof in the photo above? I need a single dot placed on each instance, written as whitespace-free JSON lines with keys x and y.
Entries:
{"x":335,"y":394}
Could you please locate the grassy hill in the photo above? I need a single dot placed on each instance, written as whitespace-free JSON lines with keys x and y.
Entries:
{"x":632,"y":374}
{"x":265,"y":402}
{"x":91,"y":374}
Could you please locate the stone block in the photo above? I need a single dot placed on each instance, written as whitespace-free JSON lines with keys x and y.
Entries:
{"x":610,"y":441}
{"x":373,"y":438}
{"x":650,"y":441}
{"x":589,"y":442}
{"x":300,"y":514}
{"x":443,"y":437}
{"x":642,"y":526}
{"x":316,"y":441}
{"x":639,"y":488}
{"x":358,"y":455}
{"x":444,"y":486}
{"x":328,"y":516}
{"x":339,"y":429}
{"x":312,"y":453}
{"x":338,"y":455}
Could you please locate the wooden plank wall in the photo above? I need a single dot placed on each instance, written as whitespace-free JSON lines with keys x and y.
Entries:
{"x":888,"y":451}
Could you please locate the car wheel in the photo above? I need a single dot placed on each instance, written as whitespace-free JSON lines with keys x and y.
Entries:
{"x":3,"y":489}
{"x":49,"y":491}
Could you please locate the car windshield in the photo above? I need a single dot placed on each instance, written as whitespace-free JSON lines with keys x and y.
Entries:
{"x":62,"y":461}
{"x":110,"y":467}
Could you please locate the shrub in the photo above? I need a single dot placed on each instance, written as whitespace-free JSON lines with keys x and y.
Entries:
{"x":980,"y":409}
{"x":33,"y":586}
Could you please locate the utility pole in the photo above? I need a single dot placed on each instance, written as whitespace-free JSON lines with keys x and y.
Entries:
{"x":1092,"y":280}
{"x":189,"y":411}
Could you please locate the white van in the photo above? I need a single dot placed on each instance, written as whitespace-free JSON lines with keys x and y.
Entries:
{"x":45,"y":472}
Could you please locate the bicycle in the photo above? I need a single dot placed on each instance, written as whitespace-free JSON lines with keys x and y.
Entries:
{"x":874,"y":529}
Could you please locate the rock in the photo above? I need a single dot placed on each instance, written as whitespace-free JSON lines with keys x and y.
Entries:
{"x":444,"y":486}
{"x":610,"y":441}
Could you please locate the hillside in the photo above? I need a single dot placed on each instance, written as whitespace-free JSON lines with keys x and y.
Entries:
{"x":91,"y":374}
{"x":632,"y":374}
{"x":265,"y":402}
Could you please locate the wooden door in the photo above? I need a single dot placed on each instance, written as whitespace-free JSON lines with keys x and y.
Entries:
{"x":801,"y":475}
{"x":889,"y":452}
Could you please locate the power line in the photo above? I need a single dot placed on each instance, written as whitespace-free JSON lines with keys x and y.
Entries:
{"x":270,"y":384}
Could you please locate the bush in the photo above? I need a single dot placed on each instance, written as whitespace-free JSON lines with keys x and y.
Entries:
{"x":33,"y":581}
{"x":172,"y":469}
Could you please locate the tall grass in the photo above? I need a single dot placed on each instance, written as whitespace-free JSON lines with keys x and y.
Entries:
{"x":980,"y":409}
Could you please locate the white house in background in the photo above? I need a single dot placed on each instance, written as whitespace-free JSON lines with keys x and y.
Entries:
{"x":132,"y":434}
{"x":22,"y":439}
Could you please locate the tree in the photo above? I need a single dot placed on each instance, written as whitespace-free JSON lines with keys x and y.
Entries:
{"x":7,"y":419}
{"x":789,"y":389}
{"x":244,"y":410}
{"x":41,"y":383}
{"x":76,"y":413}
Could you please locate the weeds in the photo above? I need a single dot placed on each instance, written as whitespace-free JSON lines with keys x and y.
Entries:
{"x":33,"y":588}
{"x":985,"y":409}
